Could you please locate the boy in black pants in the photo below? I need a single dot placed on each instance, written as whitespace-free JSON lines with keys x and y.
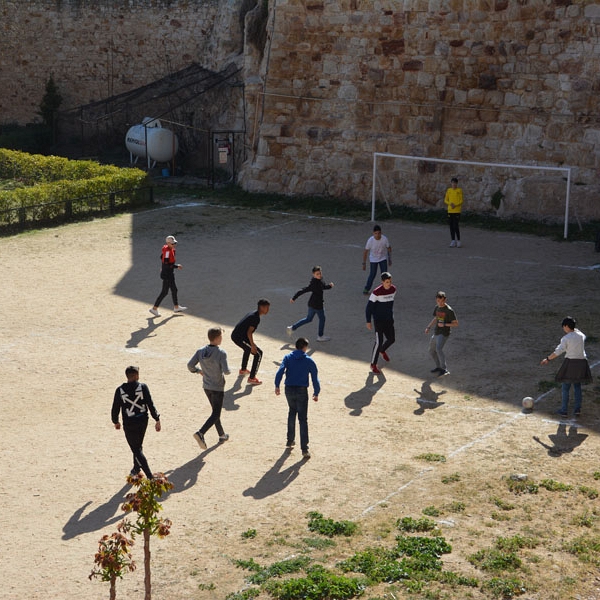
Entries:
{"x":243,"y":336}
{"x":134,"y":401}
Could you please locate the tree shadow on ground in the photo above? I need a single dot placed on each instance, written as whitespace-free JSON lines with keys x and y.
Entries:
{"x":357,"y":401}
{"x":563,"y":442}
{"x":275,"y":479}
{"x":97,"y":519}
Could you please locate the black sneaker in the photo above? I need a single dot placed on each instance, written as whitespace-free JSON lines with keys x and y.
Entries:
{"x":134,"y":472}
{"x":199,"y":437}
{"x":290,"y":444}
{"x":436,"y":370}
{"x":577,"y":413}
{"x":561,"y":413}
{"x":443,"y":372}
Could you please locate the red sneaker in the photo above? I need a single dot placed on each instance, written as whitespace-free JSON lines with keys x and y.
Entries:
{"x":385,"y":356}
{"x":244,"y":372}
{"x":375,"y":369}
{"x":254,"y":381}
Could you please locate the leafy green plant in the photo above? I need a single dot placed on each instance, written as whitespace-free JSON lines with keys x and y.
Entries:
{"x":596,"y":473}
{"x":555,"y":486}
{"x":113,"y":559}
{"x":522,"y":486}
{"x":144,"y":502}
{"x":494,"y":560}
{"x":319,"y":584}
{"x":502,"y":504}
{"x":591,"y":493}
{"x":586,"y":519}
{"x":244,"y":595}
{"x":504,"y":587}
{"x":409,"y":524}
{"x":329,"y":527}
{"x":451,"y":478}
{"x":318,"y":543}
{"x":456,"y":506}
{"x":249,"y":534}
{"x":586,"y":548}
{"x":284,"y":567}
{"x":431,"y":511}
{"x":515,"y":542}
{"x":431,"y":457}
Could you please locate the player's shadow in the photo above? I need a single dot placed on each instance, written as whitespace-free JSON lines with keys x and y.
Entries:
{"x":186,"y":476}
{"x":276,"y":478}
{"x":359,"y":400}
{"x":428,"y":399}
{"x":563,"y":442}
{"x":97,"y":519}
{"x":144,"y":333}
{"x":239,"y":389}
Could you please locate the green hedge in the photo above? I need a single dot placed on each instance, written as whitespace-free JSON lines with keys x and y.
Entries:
{"x":51,"y":187}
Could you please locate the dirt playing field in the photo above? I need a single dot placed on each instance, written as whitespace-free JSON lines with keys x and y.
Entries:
{"x":75,"y":304}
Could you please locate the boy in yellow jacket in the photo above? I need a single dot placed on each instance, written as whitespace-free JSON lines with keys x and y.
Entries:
{"x":454,"y":200}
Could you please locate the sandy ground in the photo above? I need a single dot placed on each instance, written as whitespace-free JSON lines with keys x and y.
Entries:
{"x":75,"y":305}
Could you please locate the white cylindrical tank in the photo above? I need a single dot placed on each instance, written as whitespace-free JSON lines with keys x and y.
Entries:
{"x":152,"y":141}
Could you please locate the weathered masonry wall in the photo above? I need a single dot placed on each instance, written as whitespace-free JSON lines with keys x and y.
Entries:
{"x":511,"y":81}
{"x":100,"y":48}
{"x":482,"y":80}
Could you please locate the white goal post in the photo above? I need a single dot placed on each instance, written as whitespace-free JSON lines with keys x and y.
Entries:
{"x":564,"y":170}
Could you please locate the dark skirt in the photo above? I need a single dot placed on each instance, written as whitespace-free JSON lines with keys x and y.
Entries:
{"x":574,"y":370}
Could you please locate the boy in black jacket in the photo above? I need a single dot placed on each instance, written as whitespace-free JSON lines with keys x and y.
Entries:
{"x":315,"y":303}
{"x":133,"y":400}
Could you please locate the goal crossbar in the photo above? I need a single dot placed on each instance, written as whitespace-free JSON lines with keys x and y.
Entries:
{"x":566,"y":170}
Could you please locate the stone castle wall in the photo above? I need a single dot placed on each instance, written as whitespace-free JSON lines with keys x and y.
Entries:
{"x":477,"y":80}
{"x":101,"y":48}
{"x":510,"y":81}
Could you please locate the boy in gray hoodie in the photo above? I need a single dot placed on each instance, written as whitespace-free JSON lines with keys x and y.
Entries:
{"x":213,"y":368}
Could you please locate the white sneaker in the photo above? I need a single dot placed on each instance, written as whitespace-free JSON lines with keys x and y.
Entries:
{"x":452,"y":244}
{"x":458,"y":244}
{"x":154,"y":312}
{"x":323,"y":338}
{"x":180,"y":309}
{"x":289,"y":330}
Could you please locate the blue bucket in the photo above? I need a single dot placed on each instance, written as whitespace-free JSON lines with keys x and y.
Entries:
{"x":166,"y":173}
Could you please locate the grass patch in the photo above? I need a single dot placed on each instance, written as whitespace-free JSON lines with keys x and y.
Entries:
{"x":451,"y":478}
{"x":431,"y":511}
{"x":249,"y":534}
{"x":504,"y":587}
{"x":522,"y":486}
{"x":586,"y":548}
{"x":431,"y":457}
{"x":589,"y":492}
{"x":502,"y":504}
{"x":495,"y":561}
{"x":319,"y":584}
{"x":409,"y":524}
{"x":329,"y":527}
{"x":555,"y":486}
{"x":318,"y":543}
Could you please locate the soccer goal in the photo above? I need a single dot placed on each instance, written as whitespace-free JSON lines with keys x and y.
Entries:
{"x":527,"y":190}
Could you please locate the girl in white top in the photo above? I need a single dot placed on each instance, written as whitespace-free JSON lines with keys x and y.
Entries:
{"x":574,"y":369}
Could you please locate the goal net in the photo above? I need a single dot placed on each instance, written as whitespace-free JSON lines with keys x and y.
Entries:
{"x":530,"y":191}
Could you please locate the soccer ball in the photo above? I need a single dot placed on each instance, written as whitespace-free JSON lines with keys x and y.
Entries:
{"x":527,"y":403}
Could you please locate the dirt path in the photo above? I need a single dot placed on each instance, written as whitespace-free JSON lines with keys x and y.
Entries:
{"x":75,"y":305}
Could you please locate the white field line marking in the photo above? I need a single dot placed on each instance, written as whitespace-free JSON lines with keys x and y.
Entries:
{"x":512,"y":417}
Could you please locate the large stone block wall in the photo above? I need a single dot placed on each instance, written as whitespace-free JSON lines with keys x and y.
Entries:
{"x":511,"y":81}
{"x":100,"y":48}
